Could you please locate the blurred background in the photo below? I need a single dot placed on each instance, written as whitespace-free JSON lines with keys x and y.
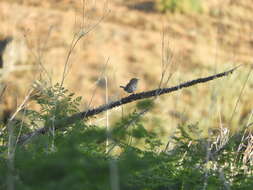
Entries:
{"x":133,"y":38}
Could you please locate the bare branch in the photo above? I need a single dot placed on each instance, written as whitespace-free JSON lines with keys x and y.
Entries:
{"x":65,"y":122}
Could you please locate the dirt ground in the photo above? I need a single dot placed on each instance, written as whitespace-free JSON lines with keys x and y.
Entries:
{"x":125,"y":41}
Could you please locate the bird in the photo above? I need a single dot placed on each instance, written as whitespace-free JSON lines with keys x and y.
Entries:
{"x":131,"y":86}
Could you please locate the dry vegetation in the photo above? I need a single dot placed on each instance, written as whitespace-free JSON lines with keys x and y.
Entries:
{"x":130,"y":38}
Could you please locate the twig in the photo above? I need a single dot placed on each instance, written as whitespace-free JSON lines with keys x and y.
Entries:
{"x":240,"y":95}
{"x":77,"y":37}
{"x":2,"y":92}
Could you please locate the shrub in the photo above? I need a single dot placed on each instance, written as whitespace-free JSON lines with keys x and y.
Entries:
{"x":183,"y":6}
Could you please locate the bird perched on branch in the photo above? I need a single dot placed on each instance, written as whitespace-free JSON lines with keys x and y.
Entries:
{"x":131,"y":86}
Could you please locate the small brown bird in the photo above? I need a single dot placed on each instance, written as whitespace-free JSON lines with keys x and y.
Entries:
{"x":131,"y":86}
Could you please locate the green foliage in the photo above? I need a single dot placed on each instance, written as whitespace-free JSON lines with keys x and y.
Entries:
{"x":56,"y":102}
{"x":179,"y":5}
{"x":76,"y":157}
{"x":145,"y":104}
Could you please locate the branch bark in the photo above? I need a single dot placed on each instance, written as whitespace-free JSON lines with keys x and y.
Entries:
{"x":65,"y":122}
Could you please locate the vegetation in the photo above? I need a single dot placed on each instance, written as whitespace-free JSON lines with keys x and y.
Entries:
{"x":78,"y":157}
{"x":179,"y":5}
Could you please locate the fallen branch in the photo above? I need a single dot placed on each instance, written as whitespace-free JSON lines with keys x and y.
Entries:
{"x":63,"y":123}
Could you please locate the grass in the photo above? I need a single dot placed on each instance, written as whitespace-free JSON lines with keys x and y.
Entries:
{"x":184,"y":6}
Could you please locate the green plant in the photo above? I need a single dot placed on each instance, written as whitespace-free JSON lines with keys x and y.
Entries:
{"x":179,"y":5}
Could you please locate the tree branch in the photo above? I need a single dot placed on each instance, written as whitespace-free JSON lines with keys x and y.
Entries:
{"x":63,"y":123}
